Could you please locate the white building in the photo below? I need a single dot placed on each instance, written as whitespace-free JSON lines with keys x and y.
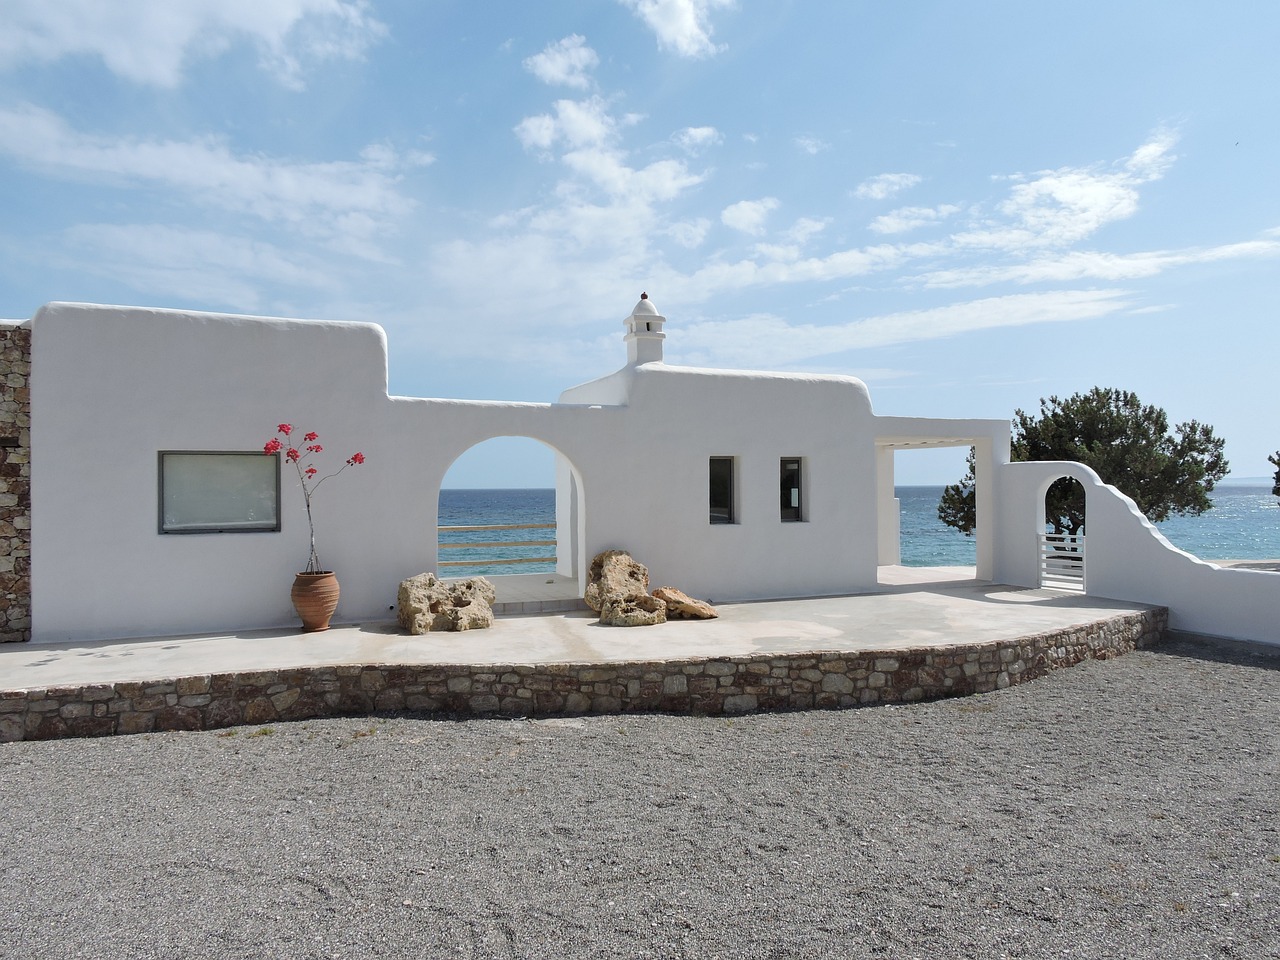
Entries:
{"x":729,"y":484}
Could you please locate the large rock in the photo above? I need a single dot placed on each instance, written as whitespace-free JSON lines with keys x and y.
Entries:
{"x":614,"y":574}
{"x":632,"y":610}
{"x":681,"y":606}
{"x":427,"y":603}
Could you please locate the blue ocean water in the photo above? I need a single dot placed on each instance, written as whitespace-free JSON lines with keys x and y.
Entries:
{"x":1244,"y":524}
{"x":497,"y":507}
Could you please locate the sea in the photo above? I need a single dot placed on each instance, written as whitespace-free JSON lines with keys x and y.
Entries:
{"x":1244,"y":524}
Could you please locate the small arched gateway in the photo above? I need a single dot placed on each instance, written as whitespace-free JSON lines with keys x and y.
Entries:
{"x":1062,"y":535}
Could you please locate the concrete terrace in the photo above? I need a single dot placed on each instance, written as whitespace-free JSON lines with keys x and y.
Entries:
{"x":906,"y":642}
{"x":916,"y":608}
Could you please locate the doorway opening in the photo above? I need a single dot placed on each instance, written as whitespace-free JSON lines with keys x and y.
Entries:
{"x":915,"y":544}
{"x":509,"y":509}
{"x":1062,"y":535}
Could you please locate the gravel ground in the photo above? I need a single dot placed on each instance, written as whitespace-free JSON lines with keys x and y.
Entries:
{"x":1125,"y":808}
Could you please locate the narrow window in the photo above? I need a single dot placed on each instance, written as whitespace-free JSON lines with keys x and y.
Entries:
{"x":219,"y":492}
{"x":789,"y":477}
{"x":722,"y":490}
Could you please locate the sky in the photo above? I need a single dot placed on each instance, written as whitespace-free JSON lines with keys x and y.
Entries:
{"x":968,"y":206}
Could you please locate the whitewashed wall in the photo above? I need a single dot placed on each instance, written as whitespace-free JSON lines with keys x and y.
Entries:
{"x":111,"y":386}
{"x":115,"y":385}
{"x":1127,"y":558}
{"x":652,"y":493}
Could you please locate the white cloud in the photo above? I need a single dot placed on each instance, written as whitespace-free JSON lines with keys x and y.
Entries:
{"x":1063,"y":206}
{"x":195,"y":265}
{"x":748,"y":216}
{"x":598,"y":230}
{"x":905,"y":219}
{"x":720,"y":276}
{"x":538,"y":132}
{"x":769,"y":341}
{"x":151,"y":41}
{"x":566,"y":62}
{"x":811,"y":145}
{"x":805,"y":229}
{"x":696,"y":139}
{"x":611,"y":224}
{"x":1096,"y":265}
{"x":326,"y":200}
{"x":885,"y":185}
{"x":577,"y":123}
{"x":681,"y":26}
{"x":660,"y":181}
{"x":689,"y":233}
{"x":784,"y":252}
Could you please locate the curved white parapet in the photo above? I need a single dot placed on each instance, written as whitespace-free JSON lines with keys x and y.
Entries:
{"x":1129,"y":559}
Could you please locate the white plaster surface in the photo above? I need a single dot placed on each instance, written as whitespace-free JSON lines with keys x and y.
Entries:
{"x":111,"y":386}
{"x":114,"y":385}
{"x":1126,"y":556}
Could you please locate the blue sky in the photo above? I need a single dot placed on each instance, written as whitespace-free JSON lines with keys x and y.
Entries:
{"x":969,"y":206}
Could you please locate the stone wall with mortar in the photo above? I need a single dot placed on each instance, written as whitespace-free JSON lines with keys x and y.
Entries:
{"x":15,"y":483}
{"x":701,"y":686}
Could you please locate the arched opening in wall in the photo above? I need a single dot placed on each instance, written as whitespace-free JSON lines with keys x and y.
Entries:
{"x":510,"y":510}
{"x":916,"y":544}
{"x":1062,"y":535}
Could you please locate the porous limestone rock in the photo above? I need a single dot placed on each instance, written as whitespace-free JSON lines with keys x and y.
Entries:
{"x":614,"y":573}
{"x":681,"y":606}
{"x":427,"y":603}
{"x":632,"y":610}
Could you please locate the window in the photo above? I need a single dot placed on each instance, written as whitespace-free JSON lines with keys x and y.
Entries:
{"x":219,"y":492}
{"x":789,"y":477}
{"x":722,"y":490}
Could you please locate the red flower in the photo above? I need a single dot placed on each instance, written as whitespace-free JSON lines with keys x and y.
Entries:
{"x":309,"y":476}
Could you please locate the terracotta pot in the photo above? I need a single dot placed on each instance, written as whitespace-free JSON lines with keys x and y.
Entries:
{"x":315,"y":597}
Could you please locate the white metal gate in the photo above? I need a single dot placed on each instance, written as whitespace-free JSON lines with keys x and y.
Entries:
{"x":1062,"y":561}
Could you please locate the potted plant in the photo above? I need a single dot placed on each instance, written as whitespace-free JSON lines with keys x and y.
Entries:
{"x":315,"y":590}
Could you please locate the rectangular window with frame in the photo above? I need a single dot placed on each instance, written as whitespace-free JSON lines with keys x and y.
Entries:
{"x":721,"y":470}
{"x":218,"y":491}
{"x":792,"y":507}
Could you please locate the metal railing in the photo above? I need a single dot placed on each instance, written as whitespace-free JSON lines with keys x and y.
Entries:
{"x":495,"y":544}
{"x":1062,"y":561}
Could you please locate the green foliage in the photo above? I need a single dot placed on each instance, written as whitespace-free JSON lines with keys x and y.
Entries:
{"x":958,"y":508}
{"x":1127,"y":444}
{"x":1275,"y":462}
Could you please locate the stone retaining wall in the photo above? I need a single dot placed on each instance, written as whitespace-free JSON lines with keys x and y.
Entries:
{"x":702,"y":686}
{"x":15,"y":483}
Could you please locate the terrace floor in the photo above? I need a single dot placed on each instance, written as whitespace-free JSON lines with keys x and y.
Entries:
{"x":914,"y":608}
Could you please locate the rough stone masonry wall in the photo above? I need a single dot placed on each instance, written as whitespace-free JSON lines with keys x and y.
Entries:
{"x":702,"y":686}
{"x":15,"y":483}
